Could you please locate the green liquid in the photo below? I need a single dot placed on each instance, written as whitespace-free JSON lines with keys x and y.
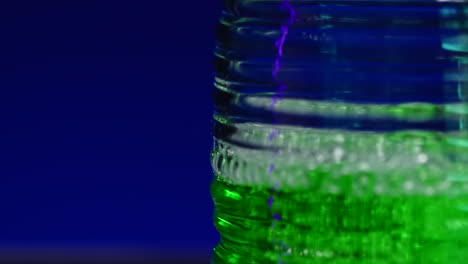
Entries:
{"x":261,"y":225}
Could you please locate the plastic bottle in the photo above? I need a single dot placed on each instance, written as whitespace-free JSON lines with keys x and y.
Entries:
{"x":340,"y":132}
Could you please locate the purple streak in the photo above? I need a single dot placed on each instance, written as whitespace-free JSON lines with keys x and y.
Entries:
{"x":276,"y":68}
{"x":277,"y":217}
{"x":282,"y":87}
{"x":272,"y":135}
{"x":272,"y":168}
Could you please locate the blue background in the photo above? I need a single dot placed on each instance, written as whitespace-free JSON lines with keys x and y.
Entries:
{"x":105,"y":111}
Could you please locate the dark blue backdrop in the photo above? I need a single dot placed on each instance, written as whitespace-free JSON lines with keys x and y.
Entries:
{"x":105,"y":124}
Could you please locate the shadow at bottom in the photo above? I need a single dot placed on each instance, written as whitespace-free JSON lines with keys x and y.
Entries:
{"x":99,"y":256}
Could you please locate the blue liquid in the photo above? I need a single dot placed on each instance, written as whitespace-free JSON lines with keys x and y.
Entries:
{"x":360,"y":52}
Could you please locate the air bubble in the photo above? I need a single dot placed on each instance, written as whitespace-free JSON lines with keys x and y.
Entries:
{"x":338,"y":154}
{"x":409,"y":185}
{"x":422,"y":158}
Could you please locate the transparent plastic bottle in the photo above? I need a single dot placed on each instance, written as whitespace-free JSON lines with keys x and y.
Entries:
{"x":341,"y":132}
